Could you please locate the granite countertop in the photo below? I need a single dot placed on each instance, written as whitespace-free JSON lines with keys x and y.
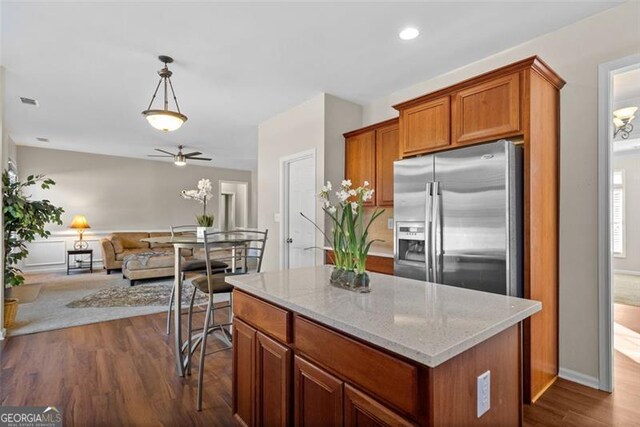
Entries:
{"x":381,"y":249}
{"x":425,"y":322}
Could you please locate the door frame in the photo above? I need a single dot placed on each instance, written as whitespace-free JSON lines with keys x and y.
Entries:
{"x":606,"y":71}
{"x":285,"y":163}
{"x":245,"y":216}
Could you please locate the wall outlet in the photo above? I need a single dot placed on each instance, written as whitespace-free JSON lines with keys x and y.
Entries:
{"x":484,"y":393}
{"x":390,"y":223}
{"x":276,"y":217}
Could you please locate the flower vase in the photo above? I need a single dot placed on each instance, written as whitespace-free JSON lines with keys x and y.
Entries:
{"x":201,"y":231}
{"x":360,"y":282}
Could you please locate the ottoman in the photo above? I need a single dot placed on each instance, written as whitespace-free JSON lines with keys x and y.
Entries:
{"x":147,"y":265}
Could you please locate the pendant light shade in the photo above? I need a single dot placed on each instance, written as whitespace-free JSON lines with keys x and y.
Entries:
{"x":165,"y":119}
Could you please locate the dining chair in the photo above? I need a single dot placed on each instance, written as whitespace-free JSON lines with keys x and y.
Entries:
{"x":190,"y":265}
{"x":213,"y":283}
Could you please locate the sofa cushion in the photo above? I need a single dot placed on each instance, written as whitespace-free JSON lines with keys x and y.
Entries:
{"x":148,"y":261}
{"x":132,"y":240}
{"x":160,"y":245}
{"x":117,"y":243}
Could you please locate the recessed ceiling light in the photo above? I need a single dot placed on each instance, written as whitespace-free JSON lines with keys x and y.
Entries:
{"x":29,"y":101}
{"x":409,"y":33}
{"x":41,"y":139}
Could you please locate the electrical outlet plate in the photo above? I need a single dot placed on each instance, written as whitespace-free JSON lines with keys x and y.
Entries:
{"x":390,"y":223}
{"x":484,"y":393}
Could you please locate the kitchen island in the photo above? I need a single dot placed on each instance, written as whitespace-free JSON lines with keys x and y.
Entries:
{"x":407,"y":353}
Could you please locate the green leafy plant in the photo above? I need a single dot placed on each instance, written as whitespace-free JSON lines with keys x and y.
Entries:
{"x":24,"y":221}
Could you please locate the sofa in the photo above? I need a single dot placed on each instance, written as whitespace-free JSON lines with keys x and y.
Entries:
{"x":117,"y":246}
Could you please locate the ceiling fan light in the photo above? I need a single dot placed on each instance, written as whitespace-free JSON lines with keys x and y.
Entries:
{"x":165,"y":120}
{"x":180,"y":160}
{"x":180,"y":163}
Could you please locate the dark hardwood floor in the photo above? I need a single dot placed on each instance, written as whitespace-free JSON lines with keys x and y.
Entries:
{"x":122,"y":373}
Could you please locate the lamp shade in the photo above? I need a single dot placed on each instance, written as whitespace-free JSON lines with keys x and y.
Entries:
{"x":625,"y":113}
{"x":79,"y":222}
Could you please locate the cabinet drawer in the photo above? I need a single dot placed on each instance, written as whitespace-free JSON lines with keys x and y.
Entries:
{"x":390,"y":379}
{"x":486,"y":111}
{"x":376,"y":264}
{"x":268,"y":318}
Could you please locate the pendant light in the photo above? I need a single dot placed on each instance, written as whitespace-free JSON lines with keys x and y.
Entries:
{"x":165,"y":119}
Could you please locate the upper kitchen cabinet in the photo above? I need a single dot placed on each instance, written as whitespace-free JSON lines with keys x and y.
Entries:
{"x":386,"y":153}
{"x":360,"y":159}
{"x":369,"y":156}
{"x":486,"y":111}
{"x":425,"y":126}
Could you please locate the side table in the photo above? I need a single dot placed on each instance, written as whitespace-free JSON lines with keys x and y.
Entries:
{"x":82,"y":265}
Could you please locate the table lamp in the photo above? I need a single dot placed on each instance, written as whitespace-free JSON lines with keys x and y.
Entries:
{"x":80,"y":223}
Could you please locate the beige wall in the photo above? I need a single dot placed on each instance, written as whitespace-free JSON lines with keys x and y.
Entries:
{"x":119,"y":193}
{"x":630,"y":164}
{"x":316,"y":124}
{"x":574,"y":52}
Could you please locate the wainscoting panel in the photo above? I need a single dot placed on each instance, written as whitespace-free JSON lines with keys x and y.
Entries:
{"x":46,"y":253}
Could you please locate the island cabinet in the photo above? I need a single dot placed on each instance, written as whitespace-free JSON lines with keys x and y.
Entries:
{"x":292,"y":370}
{"x":369,"y":156}
{"x":521,"y":102}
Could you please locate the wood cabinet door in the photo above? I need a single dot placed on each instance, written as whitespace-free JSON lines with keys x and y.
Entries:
{"x":487,"y":111}
{"x":425,"y":127}
{"x":360,"y":160}
{"x":387,"y":150}
{"x":244,"y":353}
{"x":317,"y":396}
{"x":273,"y":382}
{"x":361,"y":410}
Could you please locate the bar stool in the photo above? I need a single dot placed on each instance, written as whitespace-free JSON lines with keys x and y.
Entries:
{"x":214,"y":284}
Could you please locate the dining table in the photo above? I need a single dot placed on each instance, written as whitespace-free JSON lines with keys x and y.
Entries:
{"x":225,"y":240}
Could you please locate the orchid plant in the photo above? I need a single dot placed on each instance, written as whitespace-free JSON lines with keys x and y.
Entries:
{"x":202,"y":195}
{"x":350,"y":234}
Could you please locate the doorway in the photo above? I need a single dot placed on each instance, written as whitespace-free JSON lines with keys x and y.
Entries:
{"x":233,"y":206}
{"x":298,"y":195}
{"x":619,"y":222}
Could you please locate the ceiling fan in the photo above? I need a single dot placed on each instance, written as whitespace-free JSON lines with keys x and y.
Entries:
{"x":180,"y":158}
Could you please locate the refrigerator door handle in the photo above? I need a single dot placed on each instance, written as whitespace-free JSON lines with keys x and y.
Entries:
{"x":436,"y":234}
{"x":427,"y":225}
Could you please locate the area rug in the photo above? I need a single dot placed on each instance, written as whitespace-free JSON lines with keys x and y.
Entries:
{"x":136,"y":296}
{"x":88,"y":295}
{"x":626,"y":289}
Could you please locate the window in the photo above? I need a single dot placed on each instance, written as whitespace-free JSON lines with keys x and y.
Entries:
{"x":617,"y":215}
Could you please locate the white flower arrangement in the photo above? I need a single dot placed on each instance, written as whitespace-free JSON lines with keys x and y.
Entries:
{"x":350,"y":243}
{"x":202,"y":195}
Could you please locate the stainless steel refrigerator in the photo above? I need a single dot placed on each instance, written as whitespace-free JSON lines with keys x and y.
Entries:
{"x":458,"y":218}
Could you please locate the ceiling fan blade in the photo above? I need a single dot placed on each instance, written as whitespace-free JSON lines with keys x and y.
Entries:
{"x":195,"y":153}
{"x":158,"y":155}
{"x":200,"y":158}
{"x":163,"y":151}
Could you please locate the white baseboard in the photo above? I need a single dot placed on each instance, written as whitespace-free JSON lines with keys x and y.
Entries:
{"x":627,"y":272}
{"x":579,"y":378}
{"x":97,"y":267}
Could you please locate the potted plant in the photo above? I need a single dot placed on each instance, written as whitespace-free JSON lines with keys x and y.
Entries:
{"x":24,"y":221}
{"x":350,"y":234}
{"x":202,"y":195}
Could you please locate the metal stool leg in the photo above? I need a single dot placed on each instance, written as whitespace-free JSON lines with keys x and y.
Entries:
{"x":203,"y":348}
{"x":189,"y":328}
{"x":170,"y":309}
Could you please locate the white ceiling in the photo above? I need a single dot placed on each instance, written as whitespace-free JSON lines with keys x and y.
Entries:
{"x":92,"y":65}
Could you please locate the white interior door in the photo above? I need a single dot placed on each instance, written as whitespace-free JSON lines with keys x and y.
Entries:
{"x":301,"y":197}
